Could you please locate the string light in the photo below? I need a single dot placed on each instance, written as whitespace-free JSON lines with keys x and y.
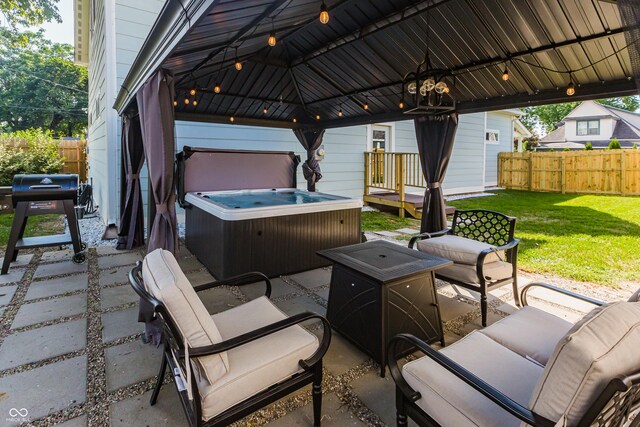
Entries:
{"x":571,"y":89}
{"x":401,"y":104}
{"x":186,"y":101}
{"x":366,"y":103}
{"x":195,"y":102}
{"x":232,"y":119}
{"x":175,"y":102}
{"x":272,"y":37}
{"x":505,"y":74}
{"x":192,"y":92}
{"x":265,"y":109}
{"x":294,"y":120}
{"x":324,"y":14}
{"x":317,"y":116}
{"x":238,"y":64}
{"x":340,"y":112}
{"x":216,"y":88}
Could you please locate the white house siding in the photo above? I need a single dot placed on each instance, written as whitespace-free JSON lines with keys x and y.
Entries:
{"x":503,"y":123}
{"x":97,"y":132}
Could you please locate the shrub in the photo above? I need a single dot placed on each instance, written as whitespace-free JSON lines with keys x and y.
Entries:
{"x":552,"y":150}
{"x":614,"y":144}
{"x":30,"y":151}
{"x":588,"y":146}
{"x":635,"y":146}
{"x":566,"y":149}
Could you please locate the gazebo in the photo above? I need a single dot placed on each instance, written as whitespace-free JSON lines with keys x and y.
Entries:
{"x":310,"y":65}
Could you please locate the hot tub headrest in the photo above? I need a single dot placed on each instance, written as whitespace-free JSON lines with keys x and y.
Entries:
{"x":207,"y":169}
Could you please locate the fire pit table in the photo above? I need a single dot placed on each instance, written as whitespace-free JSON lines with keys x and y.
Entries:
{"x":380,"y":289}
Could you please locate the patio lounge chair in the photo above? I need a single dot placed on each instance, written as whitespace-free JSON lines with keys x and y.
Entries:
{"x":531,"y":368}
{"x":232,"y":363}
{"x":483,"y":250}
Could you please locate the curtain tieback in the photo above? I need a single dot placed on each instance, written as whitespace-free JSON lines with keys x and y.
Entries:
{"x":133,"y":176}
{"x":433,"y":185}
{"x":161,"y":208}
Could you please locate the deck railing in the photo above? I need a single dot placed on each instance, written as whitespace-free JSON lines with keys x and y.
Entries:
{"x":392,"y":172}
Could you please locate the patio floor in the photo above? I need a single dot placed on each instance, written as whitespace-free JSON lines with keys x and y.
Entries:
{"x":71,"y":353}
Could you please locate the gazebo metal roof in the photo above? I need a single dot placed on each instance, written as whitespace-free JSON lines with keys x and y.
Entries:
{"x":365,"y":51}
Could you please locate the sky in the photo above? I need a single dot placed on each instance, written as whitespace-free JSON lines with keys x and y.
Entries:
{"x":61,"y":32}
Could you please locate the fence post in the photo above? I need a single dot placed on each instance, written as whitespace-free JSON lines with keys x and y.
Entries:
{"x":623,"y":168}
{"x":367,"y":171}
{"x":530,"y":158}
{"x":563,"y":184}
{"x":400,"y":181}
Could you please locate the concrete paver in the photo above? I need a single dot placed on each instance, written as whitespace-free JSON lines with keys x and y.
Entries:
{"x":6,"y":293}
{"x":33,"y":345}
{"x":118,"y":295}
{"x":120,"y":324}
{"x":59,"y":268}
{"x":126,"y":258}
{"x":52,"y":287}
{"x":37,"y":312}
{"x":130,"y":363}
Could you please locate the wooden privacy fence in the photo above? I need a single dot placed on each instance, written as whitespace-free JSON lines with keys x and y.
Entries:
{"x":595,"y":172}
{"x":74,"y":153}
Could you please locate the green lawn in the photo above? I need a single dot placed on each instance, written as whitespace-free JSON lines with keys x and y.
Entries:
{"x":36,"y":226}
{"x":581,"y":237}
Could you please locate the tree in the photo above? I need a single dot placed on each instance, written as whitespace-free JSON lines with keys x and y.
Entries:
{"x":29,"y":12}
{"x":548,"y":116}
{"x":40,"y":86}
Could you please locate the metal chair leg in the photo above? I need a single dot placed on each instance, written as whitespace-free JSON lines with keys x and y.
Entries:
{"x":156,"y":389}
{"x":401,"y":415}
{"x":317,"y":395}
{"x":483,"y":307}
{"x":516,"y":294}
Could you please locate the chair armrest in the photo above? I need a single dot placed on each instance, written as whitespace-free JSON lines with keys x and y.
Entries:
{"x":242,"y":279}
{"x":511,"y":245}
{"x":490,"y":392}
{"x":268,"y":330}
{"x":525,"y":290}
{"x":423,"y":236}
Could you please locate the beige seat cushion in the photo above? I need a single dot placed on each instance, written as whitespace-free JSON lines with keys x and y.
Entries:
{"x":165,"y":280}
{"x":451,"y":402}
{"x":602,"y":345}
{"x":530,"y":332}
{"x":459,"y":249}
{"x":467,"y":273}
{"x":257,"y":365}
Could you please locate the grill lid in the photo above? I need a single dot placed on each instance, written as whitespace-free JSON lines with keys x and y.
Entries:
{"x":39,"y":187}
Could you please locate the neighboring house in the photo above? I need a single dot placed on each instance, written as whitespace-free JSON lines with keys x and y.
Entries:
{"x":109,"y":34}
{"x":595,"y":123}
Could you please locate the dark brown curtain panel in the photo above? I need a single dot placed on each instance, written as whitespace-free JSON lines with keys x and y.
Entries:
{"x":311,"y":140}
{"x":155,"y":107}
{"x":435,"y":135}
{"x":131,"y":230}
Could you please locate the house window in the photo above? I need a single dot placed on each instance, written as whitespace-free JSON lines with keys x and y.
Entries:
{"x":492,"y":136}
{"x":588,"y":127}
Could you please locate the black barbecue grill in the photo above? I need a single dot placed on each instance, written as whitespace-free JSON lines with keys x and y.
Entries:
{"x":38,"y":195}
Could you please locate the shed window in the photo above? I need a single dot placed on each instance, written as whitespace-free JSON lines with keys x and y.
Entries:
{"x":588,"y":127}
{"x":492,"y":137}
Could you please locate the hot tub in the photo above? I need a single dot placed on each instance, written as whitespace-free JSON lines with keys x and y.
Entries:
{"x":243,"y":213}
{"x":275,"y":231}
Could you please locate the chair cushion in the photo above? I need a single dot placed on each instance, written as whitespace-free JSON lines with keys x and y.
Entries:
{"x":530,"y":332}
{"x":259,"y":364}
{"x":635,"y":297}
{"x":451,"y":402}
{"x":602,"y":345}
{"x":467,"y":273}
{"x":459,"y":249}
{"x":165,"y":280}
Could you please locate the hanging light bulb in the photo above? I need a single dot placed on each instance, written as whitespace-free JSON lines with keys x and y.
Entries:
{"x":324,"y":13}
{"x":238,"y":64}
{"x":216,"y":88}
{"x":232,"y":119}
{"x":272,"y":39}
{"x":265,"y":109}
{"x":186,"y":101}
{"x":401,"y":104}
{"x":440,"y":87}
{"x":175,"y":103}
{"x":447,"y":90}
{"x":192,"y":92}
{"x":340,"y":112}
{"x":366,"y":103}
{"x":571,"y":89}
{"x":295,"y":120}
{"x":195,"y":102}
{"x":317,"y":116}
{"x":505,"y":74}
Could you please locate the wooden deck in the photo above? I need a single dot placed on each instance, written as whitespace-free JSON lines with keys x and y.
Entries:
{"x":412,"y":203}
